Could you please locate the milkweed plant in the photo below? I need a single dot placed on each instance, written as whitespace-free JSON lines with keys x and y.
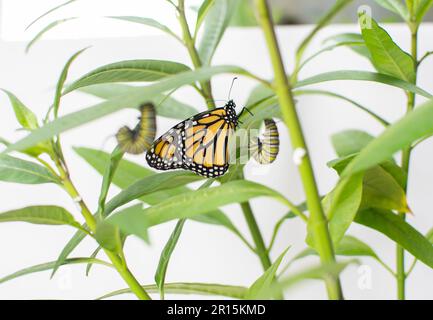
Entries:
{"x":371,"y":190}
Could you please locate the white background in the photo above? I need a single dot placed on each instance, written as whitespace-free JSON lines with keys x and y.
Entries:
{"x":205,"y":253}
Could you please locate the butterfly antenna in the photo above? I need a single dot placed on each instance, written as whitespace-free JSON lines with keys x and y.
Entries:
{"x":248,"y":111}
{"x":231,"y":86}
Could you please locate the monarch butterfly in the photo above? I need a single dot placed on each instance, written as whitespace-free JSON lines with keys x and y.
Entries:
{"x":266,"y":151}
{"x":199,"y":144}
{"x":139,"y":139}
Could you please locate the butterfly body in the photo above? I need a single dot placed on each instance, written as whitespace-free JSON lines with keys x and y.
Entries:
{"x":199,"y":144}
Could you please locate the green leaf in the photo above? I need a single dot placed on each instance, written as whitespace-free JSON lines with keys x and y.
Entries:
{"x":429,"y":236}
{"x":136,"y":97}
{"x":345,"y":202}
{"x":25,"y":172}
{"x":348,"y":142}
{"x":216,"y":24}
{"x":319,"y":272}
{"x":45,"y":30}
{"x":26,"y":118}
{"x":169,"y":247}
{"x":351,"y":246}
{"x":129,"y":71}
{"x":115,"y":158}
{"x":202,"y":12}
{"x":382,"y":191}
{"x":386,"y":55}
{"x":261,"y":287}
{"x":151,"y":184}
{"x":108,"y":236}
{"x":50,"y":11}
{"x":398,"y":230}
{"x":323,"y":22}
{"x":383,"y":185}
{"x":90,"y":264}
{"x":402,"y":134}
{"x":49,"y":215}
{"x":353,"y":41}
{"x":395,"y":6}
{"x":190,"y":204}
{"x":348,"y":246}
{"x":341,"y":97}
{"x":235,"y":292}
{"x":4,"y":142}
{"x":61,"y":81}
{"x":166,"y":106}
{"x":148,"y":22}
{"x":67,"y":250}
{"x":166,"y":255}
{"x":49,"y":266}
{"x":349,"y":75}
{"x":423,"y":7}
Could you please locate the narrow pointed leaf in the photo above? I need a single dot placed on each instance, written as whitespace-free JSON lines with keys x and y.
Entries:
{"x":61,"y":81}
{"x":318,"y":272}
{"x":147,"y":22}
{"x":50,"y":11}
{"x":166,"y":255}
{"x":26,"y":118}
{"x":49,"y":266}
{"x":166,"y":106}
{"x":349,"y":142}
{"x":350,"y":75}
{"x":129,"y":71}
{"x":202,"y":13}
{"x":151,"y":184}
{"x":191,"y":204}
{"x":52,"y":25}
{"x":216,"y":23}
{"x":21,"y":171}
{"x":395,"y":6}
{"x":49,"y":215}
{"x":261,"y":287}
{"x":169,"y":247}
{"x":353,"y":41}
{"x":423,"y":7}
{"x":398,"y":230}
{"x":235,"y":292}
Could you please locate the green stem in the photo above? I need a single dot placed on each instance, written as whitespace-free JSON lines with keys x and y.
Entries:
{"x":195,"y":58}
{"x":318,"y":221}
{"x":117,"y":262}
{"x":261,"y":250}
{"x":405,"y":164}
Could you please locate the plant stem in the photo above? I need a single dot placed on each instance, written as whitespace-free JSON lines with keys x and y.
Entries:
{"x":195,"y":58}
{"x":120,"y":266}
{"x":317,"y":220}
{"x":405,"y":164}
{"x":261,"y":250}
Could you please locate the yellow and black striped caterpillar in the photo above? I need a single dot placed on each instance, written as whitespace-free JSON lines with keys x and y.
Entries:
{"x":265,"y":150}
{"x":139,"y":139}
